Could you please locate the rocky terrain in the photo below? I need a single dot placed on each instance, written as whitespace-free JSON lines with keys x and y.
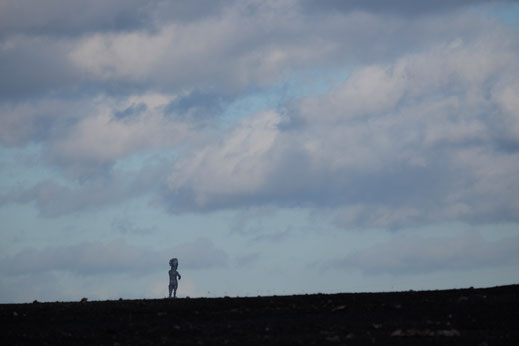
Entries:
{"x":488,"y":316}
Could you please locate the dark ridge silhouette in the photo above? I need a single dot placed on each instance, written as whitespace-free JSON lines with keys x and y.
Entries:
{"x":483,"y":316}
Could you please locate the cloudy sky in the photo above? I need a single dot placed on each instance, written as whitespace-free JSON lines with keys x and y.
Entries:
{"x":274,"y":147}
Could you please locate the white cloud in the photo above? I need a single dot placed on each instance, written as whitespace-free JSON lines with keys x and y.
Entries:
{"x":429,"y":98}
{"x":232,"y":50}
{"x":239,"y":164}
{"x":121,"y":55}
{"x":366,"y":91}
{"x":160,"y":45}
{"x":255,"y":43}
{"x":103,"y":137}
{"x":394,"y":145}
{"x":506,"y":97}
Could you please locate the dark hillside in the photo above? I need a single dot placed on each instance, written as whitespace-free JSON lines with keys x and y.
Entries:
{"x":487,"y":316}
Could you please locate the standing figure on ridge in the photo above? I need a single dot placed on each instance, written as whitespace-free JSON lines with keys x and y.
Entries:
{"x":173,"y":274}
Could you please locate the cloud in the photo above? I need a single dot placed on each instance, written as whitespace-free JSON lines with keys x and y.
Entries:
{"x":242,"y":155}
{"x":407,"y":255}
{"x":32,"y":65}
{"x":102,"y":138}
{"x":39,"y":120}
{"x":175,"y":56}
{"x":399,"y":144}
{"x":72,"y":17}
{"x":164,"y":46}
{"x":115,"y":257}
{"x":59,"y":45}
{"x":200,"y":107}
{"x":253,"y":44}
{"x":367,"y":114}
{"x":54,"y":199}
{"x":402,"y":7}
{"x":75,"y":17}
{"x":406,"y":138}
{"x":115,"y":55}
{"x":86,"y":136}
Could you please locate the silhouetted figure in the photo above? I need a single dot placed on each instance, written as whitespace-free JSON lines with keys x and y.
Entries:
{"x":173,"y":274}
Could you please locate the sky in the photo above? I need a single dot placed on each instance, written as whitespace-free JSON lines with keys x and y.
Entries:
{"x":273,"y":147}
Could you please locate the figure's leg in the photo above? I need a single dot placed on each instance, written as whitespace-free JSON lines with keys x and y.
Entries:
{"x":170,"y":289}
{"x":175,"y":293}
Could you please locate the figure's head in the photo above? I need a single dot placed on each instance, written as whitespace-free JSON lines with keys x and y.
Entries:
{"x":173,"y":263}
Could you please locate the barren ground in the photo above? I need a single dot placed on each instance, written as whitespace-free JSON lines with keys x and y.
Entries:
{"x":487,"y":316}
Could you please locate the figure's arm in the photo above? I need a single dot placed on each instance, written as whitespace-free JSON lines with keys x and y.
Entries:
{"x":179,"y":276}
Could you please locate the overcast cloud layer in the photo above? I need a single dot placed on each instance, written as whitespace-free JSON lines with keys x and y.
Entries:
{"x":379,"y":115}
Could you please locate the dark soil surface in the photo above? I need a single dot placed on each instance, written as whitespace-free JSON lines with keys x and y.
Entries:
{"x":487,"y":316}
